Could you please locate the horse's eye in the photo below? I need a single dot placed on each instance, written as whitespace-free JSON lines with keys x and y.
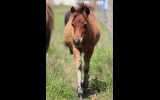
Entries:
{"x":85,"y":26}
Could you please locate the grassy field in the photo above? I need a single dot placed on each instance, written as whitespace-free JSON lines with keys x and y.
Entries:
{"x":61,"y":78}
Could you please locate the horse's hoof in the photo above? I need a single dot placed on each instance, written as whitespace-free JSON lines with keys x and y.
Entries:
{"x":84,"y":90}
{"x":80,"y":95}
{"x":81,"y":98}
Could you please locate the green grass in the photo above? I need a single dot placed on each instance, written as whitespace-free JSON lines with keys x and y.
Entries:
{"x":61,"y":78}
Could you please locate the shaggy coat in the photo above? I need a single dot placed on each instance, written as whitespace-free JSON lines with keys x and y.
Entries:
{"x":81,"y":34}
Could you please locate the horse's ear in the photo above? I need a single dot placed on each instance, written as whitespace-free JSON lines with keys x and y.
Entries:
{"x":87,"y":10}
{"x":72,"y":10}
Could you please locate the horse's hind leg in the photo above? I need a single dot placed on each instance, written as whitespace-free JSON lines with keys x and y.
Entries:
{"x":87,"y":58}
{"x":71,"y":50}
{"x":77,"y":57}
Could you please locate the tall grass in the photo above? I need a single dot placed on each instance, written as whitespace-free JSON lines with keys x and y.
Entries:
{"x":61,"y":78}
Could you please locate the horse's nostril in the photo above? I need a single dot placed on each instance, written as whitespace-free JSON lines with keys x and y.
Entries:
{"x":77,"y":42}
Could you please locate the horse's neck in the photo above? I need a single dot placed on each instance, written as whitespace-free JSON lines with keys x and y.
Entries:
{"x":93,"y":23}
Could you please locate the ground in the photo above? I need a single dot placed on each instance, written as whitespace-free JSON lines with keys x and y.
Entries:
{"x":61,"y":78}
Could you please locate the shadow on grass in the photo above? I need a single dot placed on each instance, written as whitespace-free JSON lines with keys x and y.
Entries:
{"x":95,"y":86}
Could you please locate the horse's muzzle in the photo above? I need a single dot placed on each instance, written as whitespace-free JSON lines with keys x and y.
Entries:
{"x":77,"y":42}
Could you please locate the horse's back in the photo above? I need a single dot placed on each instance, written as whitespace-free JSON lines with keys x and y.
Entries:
{"x":94,"y":23}
{"x":95,"y":28}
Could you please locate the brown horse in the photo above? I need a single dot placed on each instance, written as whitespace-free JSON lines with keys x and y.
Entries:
{"x":49,"y":23}
{"x":81,"y":34}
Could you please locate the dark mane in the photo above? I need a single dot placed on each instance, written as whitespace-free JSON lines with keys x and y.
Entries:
{"x":81,"y":7}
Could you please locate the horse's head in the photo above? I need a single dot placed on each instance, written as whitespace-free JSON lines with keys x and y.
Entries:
{"x":80,"y":24}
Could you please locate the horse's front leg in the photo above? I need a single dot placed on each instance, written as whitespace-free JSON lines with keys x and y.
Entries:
{"x":87,"y":58}
{"x":77,"y":57}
